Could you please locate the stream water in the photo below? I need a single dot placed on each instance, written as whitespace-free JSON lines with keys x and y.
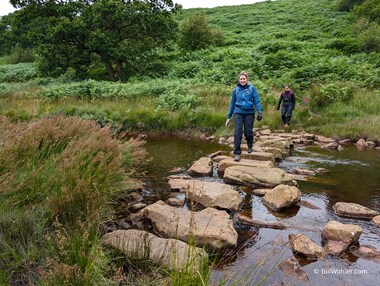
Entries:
{"x":354,"y":176}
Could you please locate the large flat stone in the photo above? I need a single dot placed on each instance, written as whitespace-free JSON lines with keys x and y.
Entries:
{"x":171,"y":253}
{"x":224,"y":164}
{"x":209,"y":226}
{"x":257,"y":177}
{"x":258,"y":156}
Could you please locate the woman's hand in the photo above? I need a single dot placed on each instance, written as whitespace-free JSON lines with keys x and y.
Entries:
{"x":228,"y":122}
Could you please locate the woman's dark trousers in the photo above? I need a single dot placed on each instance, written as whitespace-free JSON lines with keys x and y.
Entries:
{"x":241,"y":120}
{"x":286,"y":112}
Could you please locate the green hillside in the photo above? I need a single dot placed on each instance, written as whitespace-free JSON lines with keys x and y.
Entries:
{"x":310,"y":45}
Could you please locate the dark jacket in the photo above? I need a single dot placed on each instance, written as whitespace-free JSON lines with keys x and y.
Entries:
{"x":289,"y":99}
{"x":244,"y":100}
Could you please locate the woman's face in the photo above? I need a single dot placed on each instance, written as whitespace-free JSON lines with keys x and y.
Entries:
{"x":243,"y":80}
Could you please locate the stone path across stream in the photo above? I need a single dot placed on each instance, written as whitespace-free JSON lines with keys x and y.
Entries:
{"x":256,"y":173}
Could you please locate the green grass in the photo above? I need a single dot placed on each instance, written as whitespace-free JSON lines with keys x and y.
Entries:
{"x":58,"y":179}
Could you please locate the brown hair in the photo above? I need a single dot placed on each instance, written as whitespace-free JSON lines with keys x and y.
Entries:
{"x":243,"y":73}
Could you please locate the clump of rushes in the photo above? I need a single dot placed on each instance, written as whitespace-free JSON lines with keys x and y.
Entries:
{"x":57,"y":179}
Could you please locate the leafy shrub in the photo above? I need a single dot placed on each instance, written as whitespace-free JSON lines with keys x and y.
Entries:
{"x":283,"y":60}
{"x":174,"y":101}
{"x":196,"y":34}
{"x":347,"y":45}
{"x":369,"y":9}
{"x":370,"y":38}
{"x":20,"y":55}
{"x":326,"y":94}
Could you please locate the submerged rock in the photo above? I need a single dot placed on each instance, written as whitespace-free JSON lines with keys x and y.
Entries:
{"x":303,"y":245}
{"x":305,"y":172}
{"x":209,"y":226}
{"x":282,"y":197}
{"x":307,"y":204}
{"x":293,"y":273}
{"x":171,"y":253}
{"x":257,"y":177}
{"x":213,"y":194}
{"x":248,"y":221}
{"x":215,"y":154}
{"x":201,"y":167}
{"x":353,"y":210}
{"x":367,"y":252}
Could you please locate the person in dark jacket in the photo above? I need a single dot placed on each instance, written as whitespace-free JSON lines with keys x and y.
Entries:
{"x":288,"y":100}
{"x":243,"y":103}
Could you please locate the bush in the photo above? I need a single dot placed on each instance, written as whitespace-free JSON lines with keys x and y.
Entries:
{"x":196,"y":34}
{"x":369,"y":9}
{"x":326,"y":94}
{"x":20,"y":55}
{"x":370,"y":38}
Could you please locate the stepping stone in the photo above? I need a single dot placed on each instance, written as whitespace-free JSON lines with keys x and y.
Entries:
{"x":258,"y":156}
{"x":171,"y":253}
{"x":282,"y":197}
{"x":303,"y":245}
{"x":229,"y":162}
{"x":257,"y":177}
{"x":209,"y":226}
{"x":201,"y":167}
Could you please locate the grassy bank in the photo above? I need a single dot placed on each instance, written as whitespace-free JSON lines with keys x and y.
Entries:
{"x":163,"y":106}
{"x":59,"y":177}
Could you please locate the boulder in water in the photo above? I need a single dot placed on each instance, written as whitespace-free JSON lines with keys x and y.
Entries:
{"x":353,"y":210}
{"x":282,"y":197}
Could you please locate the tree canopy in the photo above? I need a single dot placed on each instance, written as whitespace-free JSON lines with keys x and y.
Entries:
{"x":79,"y":33}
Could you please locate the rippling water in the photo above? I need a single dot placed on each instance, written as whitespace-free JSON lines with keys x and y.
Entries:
{"x":354,"y":176}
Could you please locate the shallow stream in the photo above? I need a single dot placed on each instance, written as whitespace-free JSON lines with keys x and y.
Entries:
{"x":354,"y":176}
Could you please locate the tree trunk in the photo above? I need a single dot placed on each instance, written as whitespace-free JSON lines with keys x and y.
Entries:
{"x":109,"y":67}
{"x":120,"y":69}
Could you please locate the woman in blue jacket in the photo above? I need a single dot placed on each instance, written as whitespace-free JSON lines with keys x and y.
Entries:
{"x":243,"y":103}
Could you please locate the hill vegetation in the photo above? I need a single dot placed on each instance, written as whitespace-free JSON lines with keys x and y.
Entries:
{"x":329,"y":57}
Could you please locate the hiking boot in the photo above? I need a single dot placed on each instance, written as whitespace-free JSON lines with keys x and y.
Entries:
{"x":237,"y":158}
{"x":286,"y":125}
{"x":249,"y":150}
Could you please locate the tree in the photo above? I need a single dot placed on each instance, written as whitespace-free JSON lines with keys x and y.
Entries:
{"x":196,"y":34}
{"x":77,"y":33}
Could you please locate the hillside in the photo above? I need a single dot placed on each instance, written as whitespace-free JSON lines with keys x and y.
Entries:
{"x":307,"y":44}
